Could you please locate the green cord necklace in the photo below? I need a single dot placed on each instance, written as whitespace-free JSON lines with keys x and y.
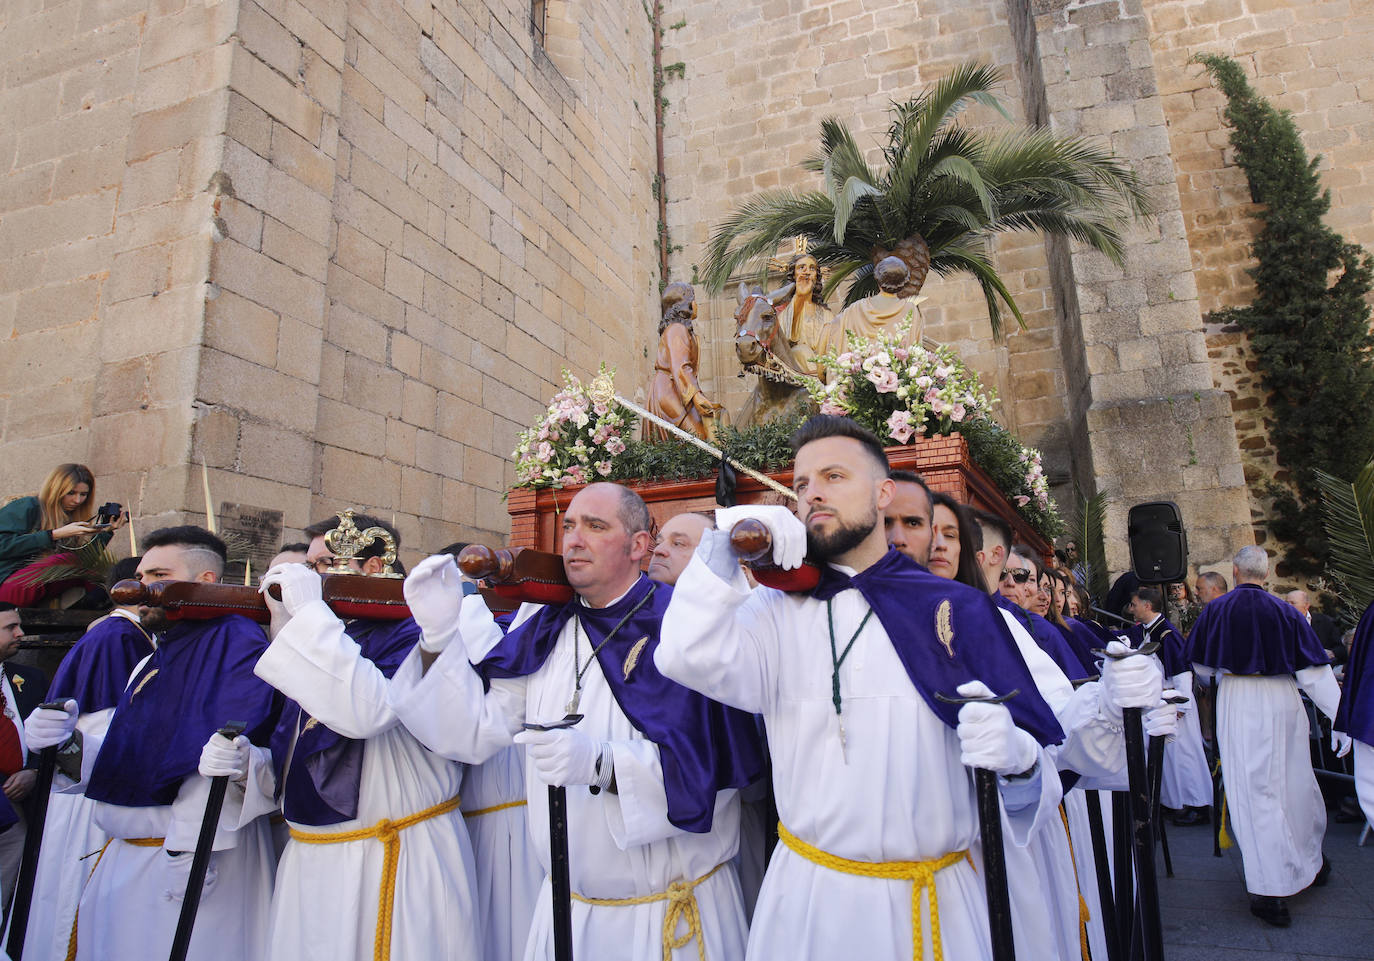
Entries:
{"x":837,"y":659}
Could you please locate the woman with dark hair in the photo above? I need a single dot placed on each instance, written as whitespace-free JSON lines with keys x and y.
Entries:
{"x":40,"y":531}
{"x":953,"y":553}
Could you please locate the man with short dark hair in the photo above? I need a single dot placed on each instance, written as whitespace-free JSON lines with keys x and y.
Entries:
{"x":1264,"y":652}
{"x":908,"y":520}
{"x":16,"y":773}
{"x":651,"y":768}
{"x":151,"y":774}
{"x":348,"y":769}
{"x":856,"y":716}
{"x":1187,"y":779}
{"x":94,"y":674}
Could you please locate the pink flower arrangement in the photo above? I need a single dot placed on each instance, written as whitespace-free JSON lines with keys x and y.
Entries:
{"x":577,"y":438}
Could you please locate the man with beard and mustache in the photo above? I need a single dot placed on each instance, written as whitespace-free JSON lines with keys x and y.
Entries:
{"x":651,"y":769}
{"x":868,"y":765}
{"x":150,"y":776}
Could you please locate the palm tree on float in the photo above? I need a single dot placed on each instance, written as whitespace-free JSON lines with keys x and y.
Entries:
{"x":945,"y":191}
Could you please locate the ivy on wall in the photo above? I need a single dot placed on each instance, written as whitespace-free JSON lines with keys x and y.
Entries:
{"x":1309,"y":322}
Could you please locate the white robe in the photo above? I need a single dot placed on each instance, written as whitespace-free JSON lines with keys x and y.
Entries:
{"x":326,"y":900}
{"x":1187,"y":780}
{"x":132,"y":899}
{"x":1041,"y":876}
{"x":620,"y":845}
{"x":1364,"y":778}
{"x":1276,"y":810}
{"x":69,"y":834}
{"x":895,"y":791}
{"x":509,"y":874}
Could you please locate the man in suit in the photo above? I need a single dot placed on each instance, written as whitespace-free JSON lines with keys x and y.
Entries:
{"x":21,"y":689}
{"x":1325,"y":627}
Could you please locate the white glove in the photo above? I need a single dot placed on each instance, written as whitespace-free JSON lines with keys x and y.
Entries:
{"x":434,"y":593}
{"x":1134,"y":681}
{"x":1162,"y":721}
{"x":989,"y":739}
{"x":1341,"y":743}
{"x":566,"y":756}
{"x":46,"y":727}
{"x":789,"y":534}
{"x":300,"y":586}
{"x":179,"y":872}
{"x":221,"y":757}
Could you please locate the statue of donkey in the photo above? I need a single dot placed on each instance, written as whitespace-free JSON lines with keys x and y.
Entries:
{"x":762,"y":350}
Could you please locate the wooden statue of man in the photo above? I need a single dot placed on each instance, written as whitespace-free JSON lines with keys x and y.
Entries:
{"x":674,"y":393}
{"x":881,"y":314}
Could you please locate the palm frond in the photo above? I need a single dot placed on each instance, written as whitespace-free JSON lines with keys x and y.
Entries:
{"x":844,"y":201}
{"x":1088,"y":529}
{"x":1348,"y":517}
{"x":90,"y":562}
{"x":973,"y":259}
{"x":759,"y":225}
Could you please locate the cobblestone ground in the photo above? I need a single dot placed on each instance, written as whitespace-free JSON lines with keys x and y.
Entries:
{"x":1207,"y":918}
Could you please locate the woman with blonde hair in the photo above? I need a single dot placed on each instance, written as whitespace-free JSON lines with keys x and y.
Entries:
{"x":39,"y":532}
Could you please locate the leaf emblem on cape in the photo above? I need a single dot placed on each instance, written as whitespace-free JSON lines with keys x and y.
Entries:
{"x":632,"y":658}
{"x":18,"y":682}
{"x":944,"y":625}
{"x":143,"y":683}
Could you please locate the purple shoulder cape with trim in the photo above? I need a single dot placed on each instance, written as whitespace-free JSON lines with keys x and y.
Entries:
{"x":1173,"y":649}
{"x":327,"y":768}
{"x":917,"y":609}
{"x":1356,"y":714}
{"x":96,"y":670}
{"x":199,"y":678}
{"x":1247,"y":630}
{"x":1049,"y":638}
{"x":704,"y":746}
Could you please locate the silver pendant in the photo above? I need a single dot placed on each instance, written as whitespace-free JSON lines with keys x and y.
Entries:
{"x":571,"y":706}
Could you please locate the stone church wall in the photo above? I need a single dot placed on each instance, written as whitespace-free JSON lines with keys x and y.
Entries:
{"x":337,"y":250}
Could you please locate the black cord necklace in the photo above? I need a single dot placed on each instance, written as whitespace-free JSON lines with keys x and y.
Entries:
{"x":572,"y":705}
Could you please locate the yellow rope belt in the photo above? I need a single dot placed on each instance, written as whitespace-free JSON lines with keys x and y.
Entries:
{"x":682,"y":906}
{"x":136,"y":842}
{"x":1084,"y":916}
{"x":478,"y":812}
{"x":921,"y":874}
{"x":389,"y":833}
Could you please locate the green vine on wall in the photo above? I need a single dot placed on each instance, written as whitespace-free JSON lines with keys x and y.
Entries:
{"x":662,"y":241}
{"x":1309,"y":322}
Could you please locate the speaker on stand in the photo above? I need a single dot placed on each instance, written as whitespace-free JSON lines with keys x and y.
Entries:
{"x":1159,"y":545}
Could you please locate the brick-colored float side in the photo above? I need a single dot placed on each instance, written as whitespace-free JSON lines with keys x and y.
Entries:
{"x":943,"y":462}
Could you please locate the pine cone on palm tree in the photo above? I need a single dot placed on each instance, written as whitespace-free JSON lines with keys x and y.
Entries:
{"x":915,"y":253}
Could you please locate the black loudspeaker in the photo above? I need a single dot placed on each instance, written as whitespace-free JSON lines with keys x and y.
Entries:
{"x":1159,"y":546}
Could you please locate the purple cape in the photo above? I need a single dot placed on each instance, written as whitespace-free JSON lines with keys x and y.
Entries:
{"x":1049,"y":638}
{"x":1356,"y":714}
{"x":1247,"y":630}
{"x":1173,"y":649}
{"x":96,"y":670}
{"x":917,"y":608}
{"x":199,"y":678}
{"x":704,"y":746}
{"x":326,"y":767}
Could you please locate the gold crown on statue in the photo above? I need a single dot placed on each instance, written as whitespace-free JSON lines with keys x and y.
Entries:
{"x":346,"y":542}
{"x":800,"y":248}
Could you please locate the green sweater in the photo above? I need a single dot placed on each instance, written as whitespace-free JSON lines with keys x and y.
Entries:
{"x":22,"y":540}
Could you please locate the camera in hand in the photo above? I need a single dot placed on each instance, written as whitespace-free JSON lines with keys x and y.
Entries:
{"x":107,"y":514}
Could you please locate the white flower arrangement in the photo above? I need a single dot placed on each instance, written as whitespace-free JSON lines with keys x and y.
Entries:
{"x":577,"y":438}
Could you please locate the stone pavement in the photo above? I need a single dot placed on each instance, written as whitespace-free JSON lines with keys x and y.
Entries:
{"x":1206,"y":913}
